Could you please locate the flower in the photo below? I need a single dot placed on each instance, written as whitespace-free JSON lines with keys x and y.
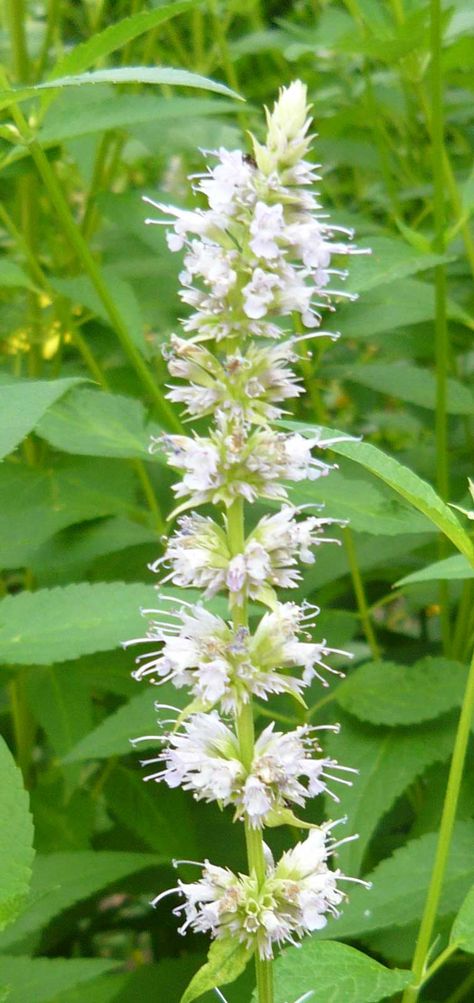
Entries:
{"x":295,"y":898}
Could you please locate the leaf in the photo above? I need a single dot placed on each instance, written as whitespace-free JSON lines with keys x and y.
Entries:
{"x":449,"y":569}
{"x":101,"y":44}
{"x":462,"y":932}
{"x":151,"y":812}
{"x":51,"y":499}
{"x":406,"y":382}
{"x":400,"y":883}
{"x":16,"y":839}
{"x":22,"y":405}
{"x":370,"y":507}
{"x":226,"y":960}
{"x":93,"y":423}
{"x":81,"y":291}
{"x":137,"y":717}
{"x":388,"y":761}
{"x":41,"y":979}
{"x":62,"y":879}
{"x":405,"y":482}
{"x":12,"y":276}
{"x":67,"y":556}
{"x":112,"y":110}
{"x":120,"y":75}
{"x":391,"y":306}
{"x":386,"y":693}
{"x":333,"y":972}
{"x":389,"y":261}
{"x":39,"y":628}
{"x":61,"y":702}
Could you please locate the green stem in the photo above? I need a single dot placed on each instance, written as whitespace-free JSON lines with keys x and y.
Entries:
{"x":360,"y":595}
{"x":72,"y":232}
{"x":444,"y":841}
{"x":246,"y":737}
{"x":16,"y":15}
{"x":441,"y":329}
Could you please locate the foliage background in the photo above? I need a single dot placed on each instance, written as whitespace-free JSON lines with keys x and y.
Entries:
{"x":88,"y":298}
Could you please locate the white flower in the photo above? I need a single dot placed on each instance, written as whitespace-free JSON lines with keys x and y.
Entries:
{"x":295,"y":898}
{"x":228,"y":182}
{"x":259,"y":293}
{"x":267,"y":224}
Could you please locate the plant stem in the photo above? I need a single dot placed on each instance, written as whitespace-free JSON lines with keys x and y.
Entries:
{"x":246,"y":736}
{"x":444,"y":840}
{"x":16,"y":13}
{"x":360,"y":595}
{"x":441,"y":329}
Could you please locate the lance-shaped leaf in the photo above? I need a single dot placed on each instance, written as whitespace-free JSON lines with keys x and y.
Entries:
{"x":226,"y":960}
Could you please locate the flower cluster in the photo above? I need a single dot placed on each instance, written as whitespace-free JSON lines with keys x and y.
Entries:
{"x":257,"y":251}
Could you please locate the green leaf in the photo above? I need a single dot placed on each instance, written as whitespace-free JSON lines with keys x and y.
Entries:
{"x":51,"y":499}
{"x":137,"y":717}
{"x":226,"y":960}
{"x":16,"y":839}
{"x":391,"y":306}
{"x":101,"y":44}
{"x":120,"y":75}
{"x":333,"y":971}
{"x":81,"y":291}
{"x":386,"y":693}
{"x":453,"y":568}
{"x":22,"y":405}
{"x":61,"y":702}
{"x":462,"y":932}
{"x":150,"y":811}
{"x":93,"y":423}
{"x":399,"y":885}
{"x":41,"y":979}
{"x":390,"y":260}
{"x":405,"y":482}
{"x":370,"y":507}
{"x":62,"y":879}
{"x":39,"y":628}
{"x":12,"y":276}
{"x":406,"y":382}
{"x":388,"y":761}
{"x":67,"y":556}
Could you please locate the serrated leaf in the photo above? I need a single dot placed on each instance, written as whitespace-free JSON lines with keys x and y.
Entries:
{"x":41,"y":979}
{"x":453,"y":568}
{"x":406,"y":382}
{"x":93,"y":423}
{"x":52,"y":625}
{"x":226,"y":960}
{"x":120,"y":75}
{"x":22,"y":405}
{"x":400,"y":883}
{"x":50,"y":499}
{"x":16,"y":839}
{"x":404,"y":481}
{"x":138,"y":717}
{"x":333,"y":972}
{"x":462,"y":932}
{"x":388,"y":761}
{"x":386,"y":693}
{"x":102,"y":43}
{"x":62,"y":879}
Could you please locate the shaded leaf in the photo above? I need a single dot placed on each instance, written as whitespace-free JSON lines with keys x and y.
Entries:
{"x":333,"y":972}
{"x":404,"y":481}
{"x":16,"y":839}
{"x":388,"y":761}
{"x":41,"y":979}
{"x":389,"y":261}
{"x":406,"y":382}
{"x":452,"y":568}
{"x":386,"y":693}
{"x":399,"y":885}
{"x":150,"y":811}
{"x":81,"y":291}
{"x":62,"y":879}
{"x":38,"y":628}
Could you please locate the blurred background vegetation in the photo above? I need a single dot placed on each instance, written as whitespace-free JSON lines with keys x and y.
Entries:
{"x":88,"y":299}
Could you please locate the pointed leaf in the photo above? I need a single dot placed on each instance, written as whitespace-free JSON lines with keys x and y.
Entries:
{"x":22,"y":405}
{"x":227,"y":959}
{"x":41,"y":979}
{"x":453,"y":568}
{"x":462,"y":932}
{"x":92,"y":423}
{"x":333,"y":971}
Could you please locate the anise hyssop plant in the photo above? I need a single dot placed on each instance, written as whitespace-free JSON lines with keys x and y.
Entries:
{"x":261,"y":252}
